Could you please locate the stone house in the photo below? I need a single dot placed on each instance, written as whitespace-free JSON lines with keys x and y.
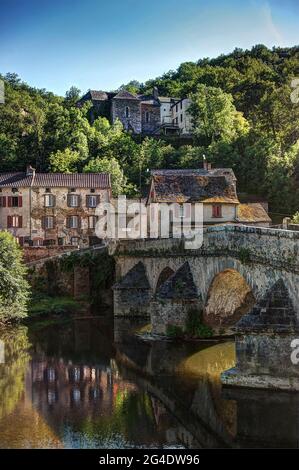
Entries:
{"x":181,"y":117}
{"x":52,"y":208}
{"x":214,"y":188}
{"x":142,"y":114}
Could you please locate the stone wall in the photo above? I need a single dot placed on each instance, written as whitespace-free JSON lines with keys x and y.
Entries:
{"x":118,"y":111}
{"x":153,"y":124}
{"x":132,"y":302}
{"x":261,"y":255}
{"x":35,"y":253}
{"x":170,"y":312}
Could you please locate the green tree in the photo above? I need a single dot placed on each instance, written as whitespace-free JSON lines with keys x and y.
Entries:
{"x":215,"y":116}
{"x":108,"y":165}
{"x":14,"y":288}
{"x":65,"y":161}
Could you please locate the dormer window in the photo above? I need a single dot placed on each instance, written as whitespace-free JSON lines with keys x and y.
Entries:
{"x":127,"y":112}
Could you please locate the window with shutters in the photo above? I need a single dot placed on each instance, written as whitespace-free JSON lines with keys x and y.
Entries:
{"x":14,"y":221}
{"x":73,"y":200}
{"x":49,"y":200}
{"x":14,"y":201}
{"x":73,"y":221}
{"x":92,"y":220}
{"x":91,"y":201}
{"x":48,"y":222}
{"x":217,"y":210}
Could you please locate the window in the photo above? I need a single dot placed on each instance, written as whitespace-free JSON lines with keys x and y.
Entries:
{"x":91,"y":201}
{"x":14,"y":221}
{"x":48,"y":222}
{"x":127,"y":112}
{"x":73,"y":221}
{"x":14,"y":201}
{"x":75,"y":241}
{"x":181,"y":105}
{"x":2,"y":201}
{"x":182,"y":214}
{"x":92,"y":220}
{"x":176,"y":120}
{"x":147,"y":116}
{"x":217,"y":210}
{"x":92,"y":190}
{"x":49,"y":200}
{"x":181,"y":118}
{"x":73,"y":200}
{"x":176,"y":108}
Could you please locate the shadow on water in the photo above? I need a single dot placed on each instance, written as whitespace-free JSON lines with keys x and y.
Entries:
{"x":83,"y":384}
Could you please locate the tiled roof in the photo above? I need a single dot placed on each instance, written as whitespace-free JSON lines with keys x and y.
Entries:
{"x":252,"y":212}
{"x":98,"y":95}
{"x":125,"y":95}
{"x":74,"y":180}
{"x":199,"y":185}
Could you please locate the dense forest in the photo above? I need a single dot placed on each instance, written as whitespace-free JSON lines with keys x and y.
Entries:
{"x":245,"y":109}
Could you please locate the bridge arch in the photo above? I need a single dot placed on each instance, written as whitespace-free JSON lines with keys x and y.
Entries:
{"x":163,"y":276}
{"x":229,"y":297}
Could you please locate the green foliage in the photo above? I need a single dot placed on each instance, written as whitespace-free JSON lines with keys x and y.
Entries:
{"x":194,"y":326}
{"x":295,"y":218}
{"x":174,"y":331}
{"x":108,"y":165}
{"x":14,"y":289}
{"x":214,"y":116}
{"x":242,"y":111}
{"x":64,"y":161}
{"x":45,"y":306}
{"x":244,"y":255}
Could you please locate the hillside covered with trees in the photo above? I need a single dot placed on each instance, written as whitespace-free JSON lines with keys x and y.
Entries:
{"x":242,"y":110}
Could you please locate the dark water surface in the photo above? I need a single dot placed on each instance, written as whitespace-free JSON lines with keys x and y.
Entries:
{"x":83,"y":384}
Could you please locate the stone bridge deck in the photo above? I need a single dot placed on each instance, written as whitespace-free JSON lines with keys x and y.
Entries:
{"x":261,"y":255}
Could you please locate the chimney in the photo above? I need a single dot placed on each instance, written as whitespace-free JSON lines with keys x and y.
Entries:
{"x":155,"y":93}
{"x":30,"y":171}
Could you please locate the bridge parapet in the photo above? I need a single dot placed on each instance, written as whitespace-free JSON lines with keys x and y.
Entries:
{"x":274,"y":247}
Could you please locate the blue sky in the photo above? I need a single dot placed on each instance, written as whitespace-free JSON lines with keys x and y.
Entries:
{"x":100,"y":44}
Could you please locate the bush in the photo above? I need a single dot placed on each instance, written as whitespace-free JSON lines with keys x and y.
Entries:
{"x":295,"y":218}
{"x":174,"y":331}
{"x":14,"y":288}
{"x":194,"y":326}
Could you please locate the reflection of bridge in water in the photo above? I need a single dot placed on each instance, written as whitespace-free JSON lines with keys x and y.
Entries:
{"x":208,"y":415}
{"x":88,"y":391}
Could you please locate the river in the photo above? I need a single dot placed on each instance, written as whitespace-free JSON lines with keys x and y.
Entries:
{"x":85,"y":384}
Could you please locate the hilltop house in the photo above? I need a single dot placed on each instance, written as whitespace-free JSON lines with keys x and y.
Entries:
{"x":52,"y":208}
{"x":214,"y":188}
{"x":142,"y":114}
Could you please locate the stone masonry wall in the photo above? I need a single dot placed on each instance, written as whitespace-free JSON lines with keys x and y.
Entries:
{"x":118,"y":110}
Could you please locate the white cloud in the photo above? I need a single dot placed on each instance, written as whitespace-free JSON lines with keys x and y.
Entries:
{"x":271,"y":28}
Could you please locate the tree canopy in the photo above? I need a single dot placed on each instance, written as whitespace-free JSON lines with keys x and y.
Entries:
{"x":14,"y":289}
{"x":242,"y":111}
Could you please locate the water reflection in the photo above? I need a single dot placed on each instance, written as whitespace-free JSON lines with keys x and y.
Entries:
{"x":84,"y":385}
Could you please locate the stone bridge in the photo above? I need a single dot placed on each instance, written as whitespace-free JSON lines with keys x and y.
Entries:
{"x":236,"y":266}
{"x":242,"y":277}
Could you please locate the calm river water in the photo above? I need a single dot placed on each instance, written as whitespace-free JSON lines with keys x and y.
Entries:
{"x":84,"y":384}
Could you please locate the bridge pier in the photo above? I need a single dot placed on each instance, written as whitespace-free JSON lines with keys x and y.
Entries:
{"x":264,"y":341}
{"x":174,"y":300}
